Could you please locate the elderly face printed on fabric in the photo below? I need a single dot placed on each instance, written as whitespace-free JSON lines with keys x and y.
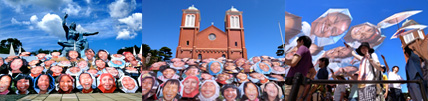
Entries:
{"x":170,"y":89}
{"x":242,"y":77}
{"x":128,"y":83}
{"x":230,"y":66}
{"x":178,"y":63}
{"x":56,"y":69}
{"x":5,"y":83}
{"x":86,"y":81}
{"x":16,"y":64}
{"x":258,"y":76}
{"x":223,"y":76}
{"x":66,"y":83}
{"x":36,"y":70}
{"x":103,"y":55}
{"x":190,"y":86}
{"x":43,"y":83}
{"x":23,"y":84}
{"x":338,"y":52}
{"x":363,"y":32}
{"x":107,"y":82}
{"x":55,"y":54}
{"x":333,"y":24}
{"x":168,"y":73}
{"x":251,"y":91}
{"x":215,"y":67}
{"x":100,"y":64}
{"x":208,"y":89}
{"x":147,"y":84}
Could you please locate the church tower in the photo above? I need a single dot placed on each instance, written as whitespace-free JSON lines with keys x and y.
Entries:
{"x":235,"y":33}
{"x":188,"y":30}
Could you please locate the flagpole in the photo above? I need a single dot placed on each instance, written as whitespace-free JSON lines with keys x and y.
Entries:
{"x":282,"y":38}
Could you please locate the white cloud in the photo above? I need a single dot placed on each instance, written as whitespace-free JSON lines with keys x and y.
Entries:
{"x":135,"y":21}
{"x":34,"y":19}
{"x":121,"y":8}
{"x":88,"y":11}
{"x":20,"y":4}
{"x":126,"y":34}
{"x":72,"y":9}
{"x":79,"y":28}
{"x":52,"y":24}
{"x":14,"y":21}
{"x":88,"y":1}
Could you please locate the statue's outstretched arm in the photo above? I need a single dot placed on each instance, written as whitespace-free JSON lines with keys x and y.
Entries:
{"x":88,"y":34}
{"x":65,"y":26}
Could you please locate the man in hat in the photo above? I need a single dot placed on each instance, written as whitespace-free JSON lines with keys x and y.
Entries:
{"x":369,"y":65}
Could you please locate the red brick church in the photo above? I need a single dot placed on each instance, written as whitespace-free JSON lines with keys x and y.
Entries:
{"x":211,"y":42}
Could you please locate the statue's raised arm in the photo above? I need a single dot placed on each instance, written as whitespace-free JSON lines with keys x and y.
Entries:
{"x":89,"y":34}
{"x":65,"y":26}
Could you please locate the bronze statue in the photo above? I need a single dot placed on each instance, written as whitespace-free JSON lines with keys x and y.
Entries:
{"x":75,"y":39}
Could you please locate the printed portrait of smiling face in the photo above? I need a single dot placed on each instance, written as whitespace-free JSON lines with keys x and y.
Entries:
{"x":107,"y":82}
{"x":65,"y":62}
{"x":113,"y":71}
{"x":33,"y":63}
{"x":208,"y":89}
{"x":43,"y":83}
{"x":82,"y":64}
{"x":74,"y":70}
{"x":251,"y":91}
{"x":23,"y":84}
{"x":100,"y":64}
{"x":128,"y":83}
{"x":215,"y":67}
{"x":258,"y":76}
{"x":56,"y":70}
{"x":230,"y":66}
{"x":178,"y":63}
{"x":333,"y":24}
{"x":73,"y":55}
{"x":223,"y":77}
{"x":48,"y":63}
{"x":206,"y":76}
{"x":190,"y":85}
{"x":66,"y":84}
{"x":242,"y":77}
{"x":5,"y":83}
{"x":338,"y":52}
{"x":363,"y":32}
{"x":117,"y":62}
{"x":147,"y":85}
{"x":168,"y":73}
{"x":256,"y":59}
{"x":103,"y":55}
{"x":271,"y":90}
{"x":240,"y":62}
{"x":230,"y":94}
{"x":55,"y":54}
{"x":129,"y":57}
{"x":264,"y":66}
{"x":117,"y":55}
{"x":86,"y":81}
{"x":192,"y":71}
{"x":93,"y":71}
{"x":41,"y":56}
{"x":170,"y":90}
{"x":36,"y":71}
{"x":15,"y":65}
{"x":89,"y":54}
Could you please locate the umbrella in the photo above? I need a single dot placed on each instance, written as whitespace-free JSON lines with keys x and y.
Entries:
{"x":396,"y":18}
{"x":331,"y":26}
{"x":347,"y":69}
{"x":293,"y":26}
{"x":407,"y":30}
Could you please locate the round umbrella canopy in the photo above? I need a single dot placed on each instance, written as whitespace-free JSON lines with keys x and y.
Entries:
{"x":396,"y":18}
{"x":331,"y":26}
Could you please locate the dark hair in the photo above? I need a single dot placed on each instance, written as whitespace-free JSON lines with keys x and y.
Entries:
{"x":24,"y":69}
{"x":306,"y":40}
{"x":108,"y":54}
{"x":245,"y":86}
{"x":395,"y":67}
{"x":238,"y":93}
{"x":23,"y":76}
{"x":105,"y":63}
{"x":145,"y":96}
{"x":10,"y":83}
{"x":408,"y":51}
{"x":86,"y":50}
{"x":51,"y":79}
{"x":325,"y":60}
{"x":68,"y":53}
{"x":173,"y":82}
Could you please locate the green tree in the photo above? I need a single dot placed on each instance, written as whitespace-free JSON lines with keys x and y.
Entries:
{"x":165,"y":53}
{"x":5,"y":45}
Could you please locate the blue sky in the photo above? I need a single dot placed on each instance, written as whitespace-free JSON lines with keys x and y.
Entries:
{"x":162,"y":18}
{"x":37,"y":23}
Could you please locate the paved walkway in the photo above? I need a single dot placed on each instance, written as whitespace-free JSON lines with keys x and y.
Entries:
{"x":84,"y":97}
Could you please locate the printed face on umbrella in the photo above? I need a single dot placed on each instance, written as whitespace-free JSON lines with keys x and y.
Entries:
{"x":93,"y":71}
{"x":103,"y":55}
{"x":215,"y":67}
{"x":117,"y":62}
{"x":100,"y":64}
{"x":74,"y":69}
{"x":208,"y":89}
{"x":36,"y":70}
{"x":264,"y":67}
{"x":256,"y":59}
{"x":333,"y":24}
{"x":82,"y":64}
{"x":230,"y":66}
{"x":363,"y":32}
{"x":206,"y":76}
{"x":49,"y":63}
{"x":66,"y":83}
{"x":147,"y":84}
{"x":128,"y":83}
{"x":192,"y":71}
{"x":271,"y":90}
{"x":89,"y":54}
{"x":23,"y":84}
{"x":33,"y":63}
{"x":240,"y":62}
{"x":86,"y":81}
{"x":5,"y":83}
{"x":170,"y":90}
{"x":41,"y":55}
{"x":16,"y":64}
{"x":230,"y":94}
{"x":129,"y":57}
{"x":241,"y":76}
{"x":338,"y":52}
{"x":190,"y":85}
{"x":113,"y":71}
{"x":223,"y":76}
{"x":251,"y":91}
{"x":56,"y":69}
{"x":107,"y":82}
{"x":43,"y":82}
{"x":117,"y":55}
{"x":55,"y":54}
{"x":168,"y":73}
{"x":73,"y":54}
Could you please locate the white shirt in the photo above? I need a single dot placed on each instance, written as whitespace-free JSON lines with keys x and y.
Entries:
{"x":394,"y":76}
{"x":338,"y":92}
{"x":366,"y":67}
